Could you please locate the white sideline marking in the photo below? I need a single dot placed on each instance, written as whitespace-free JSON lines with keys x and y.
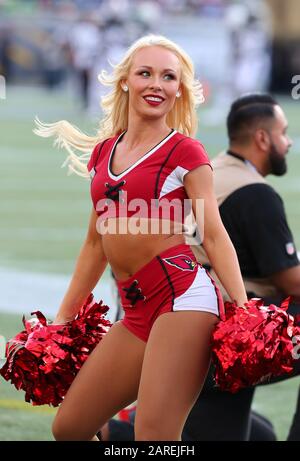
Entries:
{"x":24,"y":292}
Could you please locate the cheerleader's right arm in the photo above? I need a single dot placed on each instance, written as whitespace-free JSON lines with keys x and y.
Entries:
{"x":90,"y":266}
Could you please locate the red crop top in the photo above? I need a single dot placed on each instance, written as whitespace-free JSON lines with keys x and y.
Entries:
{"x":153,"y":186}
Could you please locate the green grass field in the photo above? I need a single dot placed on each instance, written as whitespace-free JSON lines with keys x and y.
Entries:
{"x":44,"y":215}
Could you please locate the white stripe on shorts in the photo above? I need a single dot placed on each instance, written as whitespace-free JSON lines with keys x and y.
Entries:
{"x":200,"y":296}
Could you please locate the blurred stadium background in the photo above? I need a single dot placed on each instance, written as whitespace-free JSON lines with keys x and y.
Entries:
{"x":50,"y":54}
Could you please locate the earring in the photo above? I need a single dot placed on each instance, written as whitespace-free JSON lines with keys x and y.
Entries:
{"x":125,"y":88}
{"x":178,"y":94}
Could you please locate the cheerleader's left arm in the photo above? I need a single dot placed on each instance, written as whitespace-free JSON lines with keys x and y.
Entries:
{"x":198,"y":184}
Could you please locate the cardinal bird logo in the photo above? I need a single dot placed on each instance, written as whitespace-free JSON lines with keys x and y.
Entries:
{"x":183,"y":262}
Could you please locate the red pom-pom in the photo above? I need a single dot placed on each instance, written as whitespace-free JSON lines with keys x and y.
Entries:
{"x":253,"y":344}
{"x":44,"y":359}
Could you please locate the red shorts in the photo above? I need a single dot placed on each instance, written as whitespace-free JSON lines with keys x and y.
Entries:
{"x":172,"y":281}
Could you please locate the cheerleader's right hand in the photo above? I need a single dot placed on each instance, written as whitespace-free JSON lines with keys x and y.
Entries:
{"x":61,"y":321}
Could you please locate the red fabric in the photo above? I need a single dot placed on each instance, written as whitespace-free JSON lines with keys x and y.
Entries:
{"x":161,"y":281}
{"x":153,"y":185}
{"x":124,"y":415}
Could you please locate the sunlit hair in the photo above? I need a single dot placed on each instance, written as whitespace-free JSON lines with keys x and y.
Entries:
{"x":182,"y":117}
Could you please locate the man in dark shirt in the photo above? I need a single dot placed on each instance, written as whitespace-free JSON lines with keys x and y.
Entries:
{"x":254,"y":216}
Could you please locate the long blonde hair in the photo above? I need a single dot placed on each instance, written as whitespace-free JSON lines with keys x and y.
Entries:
{"x":182,"y":117}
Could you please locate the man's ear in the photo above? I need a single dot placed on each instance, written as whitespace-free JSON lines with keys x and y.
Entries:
{"x":262,"y":139}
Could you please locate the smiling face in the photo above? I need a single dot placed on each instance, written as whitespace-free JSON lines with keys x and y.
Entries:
{"x":153,"y":81}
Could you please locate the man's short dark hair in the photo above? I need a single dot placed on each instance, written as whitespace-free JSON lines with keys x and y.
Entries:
{"x":246,"y":113}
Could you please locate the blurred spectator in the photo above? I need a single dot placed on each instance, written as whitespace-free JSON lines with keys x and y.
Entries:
{"x":5,"y":65}
{"x":85,"y":44}
{"x":53,"y":61}
{"x":250,"y":43}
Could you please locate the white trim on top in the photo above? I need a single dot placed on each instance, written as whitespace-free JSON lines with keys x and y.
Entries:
{"x":144,"y":157}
